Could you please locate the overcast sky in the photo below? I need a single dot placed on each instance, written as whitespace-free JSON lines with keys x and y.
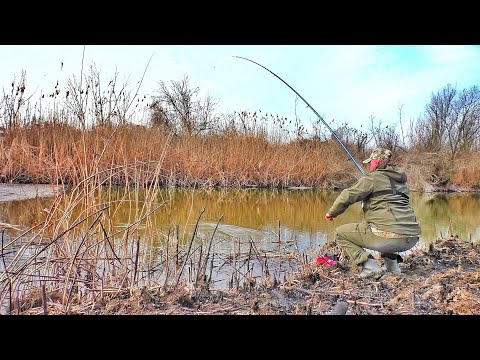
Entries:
{"x":348,"y":83}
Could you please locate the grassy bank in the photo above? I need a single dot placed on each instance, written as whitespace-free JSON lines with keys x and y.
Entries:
{"x":129,"y":154}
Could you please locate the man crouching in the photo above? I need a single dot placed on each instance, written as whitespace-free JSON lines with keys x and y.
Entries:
{"x":390,"y":224}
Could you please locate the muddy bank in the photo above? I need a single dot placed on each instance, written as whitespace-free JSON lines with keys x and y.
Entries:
{"x":443,"y":279}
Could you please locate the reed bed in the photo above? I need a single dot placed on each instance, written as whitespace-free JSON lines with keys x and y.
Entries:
{"x":63,"y":154}
{"x":128,"y":154}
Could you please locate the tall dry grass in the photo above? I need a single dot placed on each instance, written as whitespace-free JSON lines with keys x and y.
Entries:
{"x":127,"y":154}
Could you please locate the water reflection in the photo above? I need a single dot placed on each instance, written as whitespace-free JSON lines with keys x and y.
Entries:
{"x":263,"y":215}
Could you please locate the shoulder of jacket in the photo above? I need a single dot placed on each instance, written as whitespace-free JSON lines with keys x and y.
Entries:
{"x":366,"y":180}
{"x":370,"y":176}
{"x":378,"y":173}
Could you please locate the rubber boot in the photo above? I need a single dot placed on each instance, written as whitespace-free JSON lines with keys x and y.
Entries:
{"x":371,"y":269}
{"x":391,"y":265}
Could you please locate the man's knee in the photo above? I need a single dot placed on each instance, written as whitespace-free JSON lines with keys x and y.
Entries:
{"x":342,"y":233}
{"x":341,"y":238}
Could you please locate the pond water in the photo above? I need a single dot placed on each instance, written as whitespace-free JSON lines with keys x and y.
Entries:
{"x":262,"y":215}
{"x":272,"y":222}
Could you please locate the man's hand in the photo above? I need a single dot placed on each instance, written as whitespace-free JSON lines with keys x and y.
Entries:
{"x":328,"y":217}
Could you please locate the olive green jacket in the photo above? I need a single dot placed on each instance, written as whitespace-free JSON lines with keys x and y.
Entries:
{"x":382,"y":209}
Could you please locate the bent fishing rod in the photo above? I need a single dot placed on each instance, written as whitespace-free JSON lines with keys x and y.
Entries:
{"x":316,"y":113}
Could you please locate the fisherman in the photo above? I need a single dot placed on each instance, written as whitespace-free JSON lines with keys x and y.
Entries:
{"x":390,"y":224}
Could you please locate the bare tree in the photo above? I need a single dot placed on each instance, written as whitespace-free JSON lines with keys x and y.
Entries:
{"x":12,"y":104}
{"x":384,"y":136}
{"x":180,"y":109}
{"x":75,"y":102}
{"x":451,"y":122}
{"x":463,"y":127}
{"x":433,"y":126}
{"x":103,"y":104}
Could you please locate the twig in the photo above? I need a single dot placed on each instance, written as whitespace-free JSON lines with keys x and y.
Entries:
{"x":80,"y":90}
{"x":76,"y":254}
{"x":140,"y":84}
{"x":189,"y":248}
{"x":8,"y":277}
{"x":30,"y":261}
{"x":167,"y":263}
{"x":136,"y":262}
{"x":355,"y":302}
{"x":211,"y":269}
{"x":199,"y":266}
{"x":44,"y":300}
{"x":257,"y":254}
{"x":108,"y":241}
{"x":210,"y":245}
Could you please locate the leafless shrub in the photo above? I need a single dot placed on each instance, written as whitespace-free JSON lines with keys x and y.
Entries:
{"x":101,"y":105}
{"x":384,"y":136}
{"x":180,"y":109}
{"x":12,"y":104}
{"x":451,"y":122}
{"x":354,"y":139}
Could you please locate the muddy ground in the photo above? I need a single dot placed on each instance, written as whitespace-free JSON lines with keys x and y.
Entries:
{"x":443,"y":279}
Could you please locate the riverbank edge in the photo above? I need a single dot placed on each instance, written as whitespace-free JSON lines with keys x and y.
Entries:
{"x":432,"y":189}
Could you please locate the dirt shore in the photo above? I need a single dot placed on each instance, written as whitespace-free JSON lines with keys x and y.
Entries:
{"x":443,"y":279}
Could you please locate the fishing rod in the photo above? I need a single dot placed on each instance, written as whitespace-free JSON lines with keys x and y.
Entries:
{"x":316,"y":113}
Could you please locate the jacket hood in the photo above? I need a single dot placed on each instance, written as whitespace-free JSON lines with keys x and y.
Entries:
{"x":392,"y":171}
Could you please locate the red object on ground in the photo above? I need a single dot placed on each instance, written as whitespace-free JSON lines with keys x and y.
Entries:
{"x":321,"y":260}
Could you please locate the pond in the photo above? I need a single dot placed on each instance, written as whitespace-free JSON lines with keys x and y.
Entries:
{"x":244,"y":225}
{"x":260,"y":215}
